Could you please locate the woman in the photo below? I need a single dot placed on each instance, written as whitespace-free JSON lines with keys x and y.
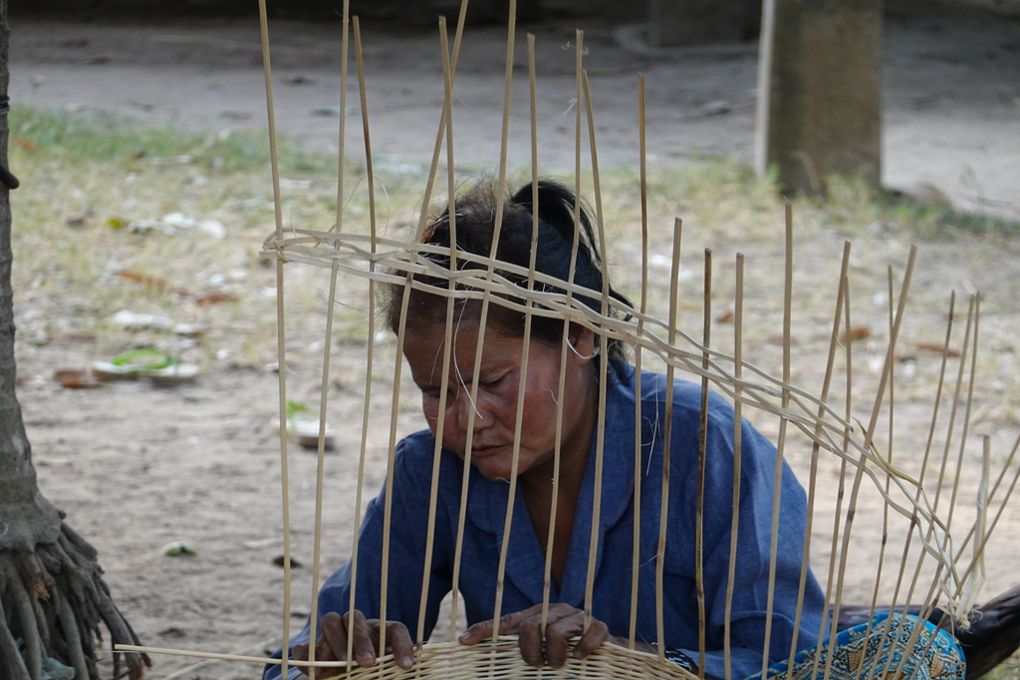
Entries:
{"x":491,"y":459}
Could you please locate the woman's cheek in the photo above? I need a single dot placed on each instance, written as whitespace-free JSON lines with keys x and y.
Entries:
{"x":430,"y":407}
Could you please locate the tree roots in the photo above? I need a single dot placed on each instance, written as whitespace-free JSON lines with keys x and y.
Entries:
{"x":52,"y":601}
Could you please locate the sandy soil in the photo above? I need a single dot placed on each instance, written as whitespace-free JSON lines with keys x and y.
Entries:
{"x":137,"y":467}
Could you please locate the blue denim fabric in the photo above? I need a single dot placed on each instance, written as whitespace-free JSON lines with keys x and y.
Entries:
{"x":483,"y":531}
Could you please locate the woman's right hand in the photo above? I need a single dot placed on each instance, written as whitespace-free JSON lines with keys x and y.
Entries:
{"x":364,"y":633}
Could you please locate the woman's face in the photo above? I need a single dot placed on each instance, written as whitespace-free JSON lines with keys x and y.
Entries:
{"x":498,"y":385}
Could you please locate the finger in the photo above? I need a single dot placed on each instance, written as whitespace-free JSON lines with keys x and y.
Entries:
{"x":529,"y":639}
{"x":300,"y":652}
{"x":483,"y":630}
{"x":529,"y":631}
{"x":558,"y":633}
{"x":334,"y":637}
{"x":360,"y":631}
{"x":597,"y":633}
{"x":400,"y":644}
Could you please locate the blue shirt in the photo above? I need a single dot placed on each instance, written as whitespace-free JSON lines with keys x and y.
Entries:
{"x":483,"y":533}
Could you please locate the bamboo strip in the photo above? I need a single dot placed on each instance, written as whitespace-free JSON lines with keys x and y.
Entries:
{"x":834,"y":554}
{"x":841,"y":293}
{"x":519,"y":414}
{"x":638,"y":392}
{"x":965,"y":348}
{"x":466,"y":475}
{"x":890,"y":357}
{"x":394,"y":404}
{"x":927,"y":449}
{"x":889,"y":445}
{"x":564,"y":345}
{"x":281,"y":346}
{"x":313,"y":618}
{"x":777,"y":482}
{"x":603,"y":364}
{"x":438,"y":146}
{"x":738,"y":432}
{"x":345,"y":23}
{"x":448,"y":341}
{"x":660,"y":553}
{"x":454,"y":661}
{"x":515,"y":461}
{"x":699,"y":510}
{"x":966,"y":412}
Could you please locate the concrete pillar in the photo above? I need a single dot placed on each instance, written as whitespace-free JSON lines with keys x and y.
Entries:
{"x":820,"y":92}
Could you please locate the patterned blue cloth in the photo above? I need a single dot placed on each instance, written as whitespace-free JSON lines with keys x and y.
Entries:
{"x":612,"y":602}
{"x":890,"y":646}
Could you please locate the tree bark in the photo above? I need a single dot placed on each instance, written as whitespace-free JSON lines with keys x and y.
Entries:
{"x":52,"y":594}
{"x":27,"y":517}
{"x":820,"y":92}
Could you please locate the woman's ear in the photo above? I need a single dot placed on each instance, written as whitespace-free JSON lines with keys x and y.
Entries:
{"x":582,"y":344}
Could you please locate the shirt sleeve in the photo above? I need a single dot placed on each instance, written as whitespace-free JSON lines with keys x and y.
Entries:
{"x":411,"y":487}
{"x":750,"y":610}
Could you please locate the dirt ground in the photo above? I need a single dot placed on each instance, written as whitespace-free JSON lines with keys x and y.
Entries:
{"x":137,"y":466}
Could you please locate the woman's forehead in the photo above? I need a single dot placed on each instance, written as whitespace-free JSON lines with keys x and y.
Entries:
{"x":426,"y":342}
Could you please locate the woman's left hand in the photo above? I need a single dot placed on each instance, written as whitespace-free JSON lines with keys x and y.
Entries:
{"x":563,"y":623}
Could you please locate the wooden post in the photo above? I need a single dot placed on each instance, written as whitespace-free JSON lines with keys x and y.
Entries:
{"x":820,"y":92}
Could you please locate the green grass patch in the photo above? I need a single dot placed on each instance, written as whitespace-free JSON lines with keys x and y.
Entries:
{"x":103,"y":138}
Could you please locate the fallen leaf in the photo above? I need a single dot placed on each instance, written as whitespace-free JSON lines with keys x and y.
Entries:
{"x":178,"y":549}
{"x":725,"y":317}
{"x":935,"y":348}
{"x":24,"y":144}
{"x":116,"y":223}
{"x":75,"y":378}
{"x":214,"y":297}
{"x":145,"y":279}
{"x":854,"y":333}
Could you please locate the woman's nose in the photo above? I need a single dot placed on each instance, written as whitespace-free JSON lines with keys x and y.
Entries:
{"x":467,"y":410}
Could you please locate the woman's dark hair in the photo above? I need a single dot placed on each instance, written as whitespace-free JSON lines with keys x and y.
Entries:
{"x":476,"y":217}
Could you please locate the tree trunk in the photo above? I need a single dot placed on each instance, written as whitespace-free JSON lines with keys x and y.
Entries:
{"x":820,"y":92}
{"x":52,"y":595}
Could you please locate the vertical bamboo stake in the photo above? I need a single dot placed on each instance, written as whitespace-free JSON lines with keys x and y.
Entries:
{"x":737,"y":441}
{"x":437,"y":147}
{"x":927,"y":450}
{"x":603,"y":364}
{"x":890,"y":356}
{"x":281,"y":346}
{"x":815,"y":450}
{"x":840,"y":494}
{"x":448,"y":340}
{"x":466,"y":474}
{"x":868,"y":442}
{"x":338,"y":225}
{"x":500,"y":200}
{"x":525,"y":356}
{"x":699,"y":509}
{"x":320,"y":465}
{"x":638,"y":425}
{"x":777,"y":482}
{"x":888,"y":480}
{"x":966,"y":412}
{"x":660,"y":553}
{"x":564,"y":342}
{"x":738,"y":432}
{"x":965,"y":348}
